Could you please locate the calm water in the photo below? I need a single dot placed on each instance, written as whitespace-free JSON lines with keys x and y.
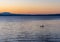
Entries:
{"x":27,"y":29}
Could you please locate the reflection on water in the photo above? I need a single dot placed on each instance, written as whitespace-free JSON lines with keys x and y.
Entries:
{"x":20,"y":30}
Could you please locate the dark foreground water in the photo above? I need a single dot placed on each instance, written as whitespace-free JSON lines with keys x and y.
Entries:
{"x":27,"y":29}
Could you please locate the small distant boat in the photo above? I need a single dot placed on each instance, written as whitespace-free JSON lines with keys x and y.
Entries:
{"x":42,"y":26}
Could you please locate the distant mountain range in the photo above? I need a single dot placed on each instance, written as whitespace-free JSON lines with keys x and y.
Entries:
{"x":11,"y":14}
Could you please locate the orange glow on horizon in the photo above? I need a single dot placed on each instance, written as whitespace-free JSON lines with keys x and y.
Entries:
{"x":29,"y":10}
{"x":30,"y":6}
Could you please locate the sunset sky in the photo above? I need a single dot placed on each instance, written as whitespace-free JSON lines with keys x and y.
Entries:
{"x":30,"y":6}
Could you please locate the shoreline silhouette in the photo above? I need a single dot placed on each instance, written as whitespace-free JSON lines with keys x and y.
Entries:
{"x":12,"y":14}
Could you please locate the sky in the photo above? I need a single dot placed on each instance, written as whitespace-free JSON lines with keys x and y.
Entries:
{"x":30,"y":6}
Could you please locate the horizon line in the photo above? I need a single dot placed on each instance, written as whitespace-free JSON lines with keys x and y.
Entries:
{"x":30,"y":13}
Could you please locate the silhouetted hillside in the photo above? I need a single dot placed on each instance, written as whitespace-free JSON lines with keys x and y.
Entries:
{"x":11,"y":14}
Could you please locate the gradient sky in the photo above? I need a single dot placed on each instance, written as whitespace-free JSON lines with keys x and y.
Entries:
{"x":30,"y":6}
